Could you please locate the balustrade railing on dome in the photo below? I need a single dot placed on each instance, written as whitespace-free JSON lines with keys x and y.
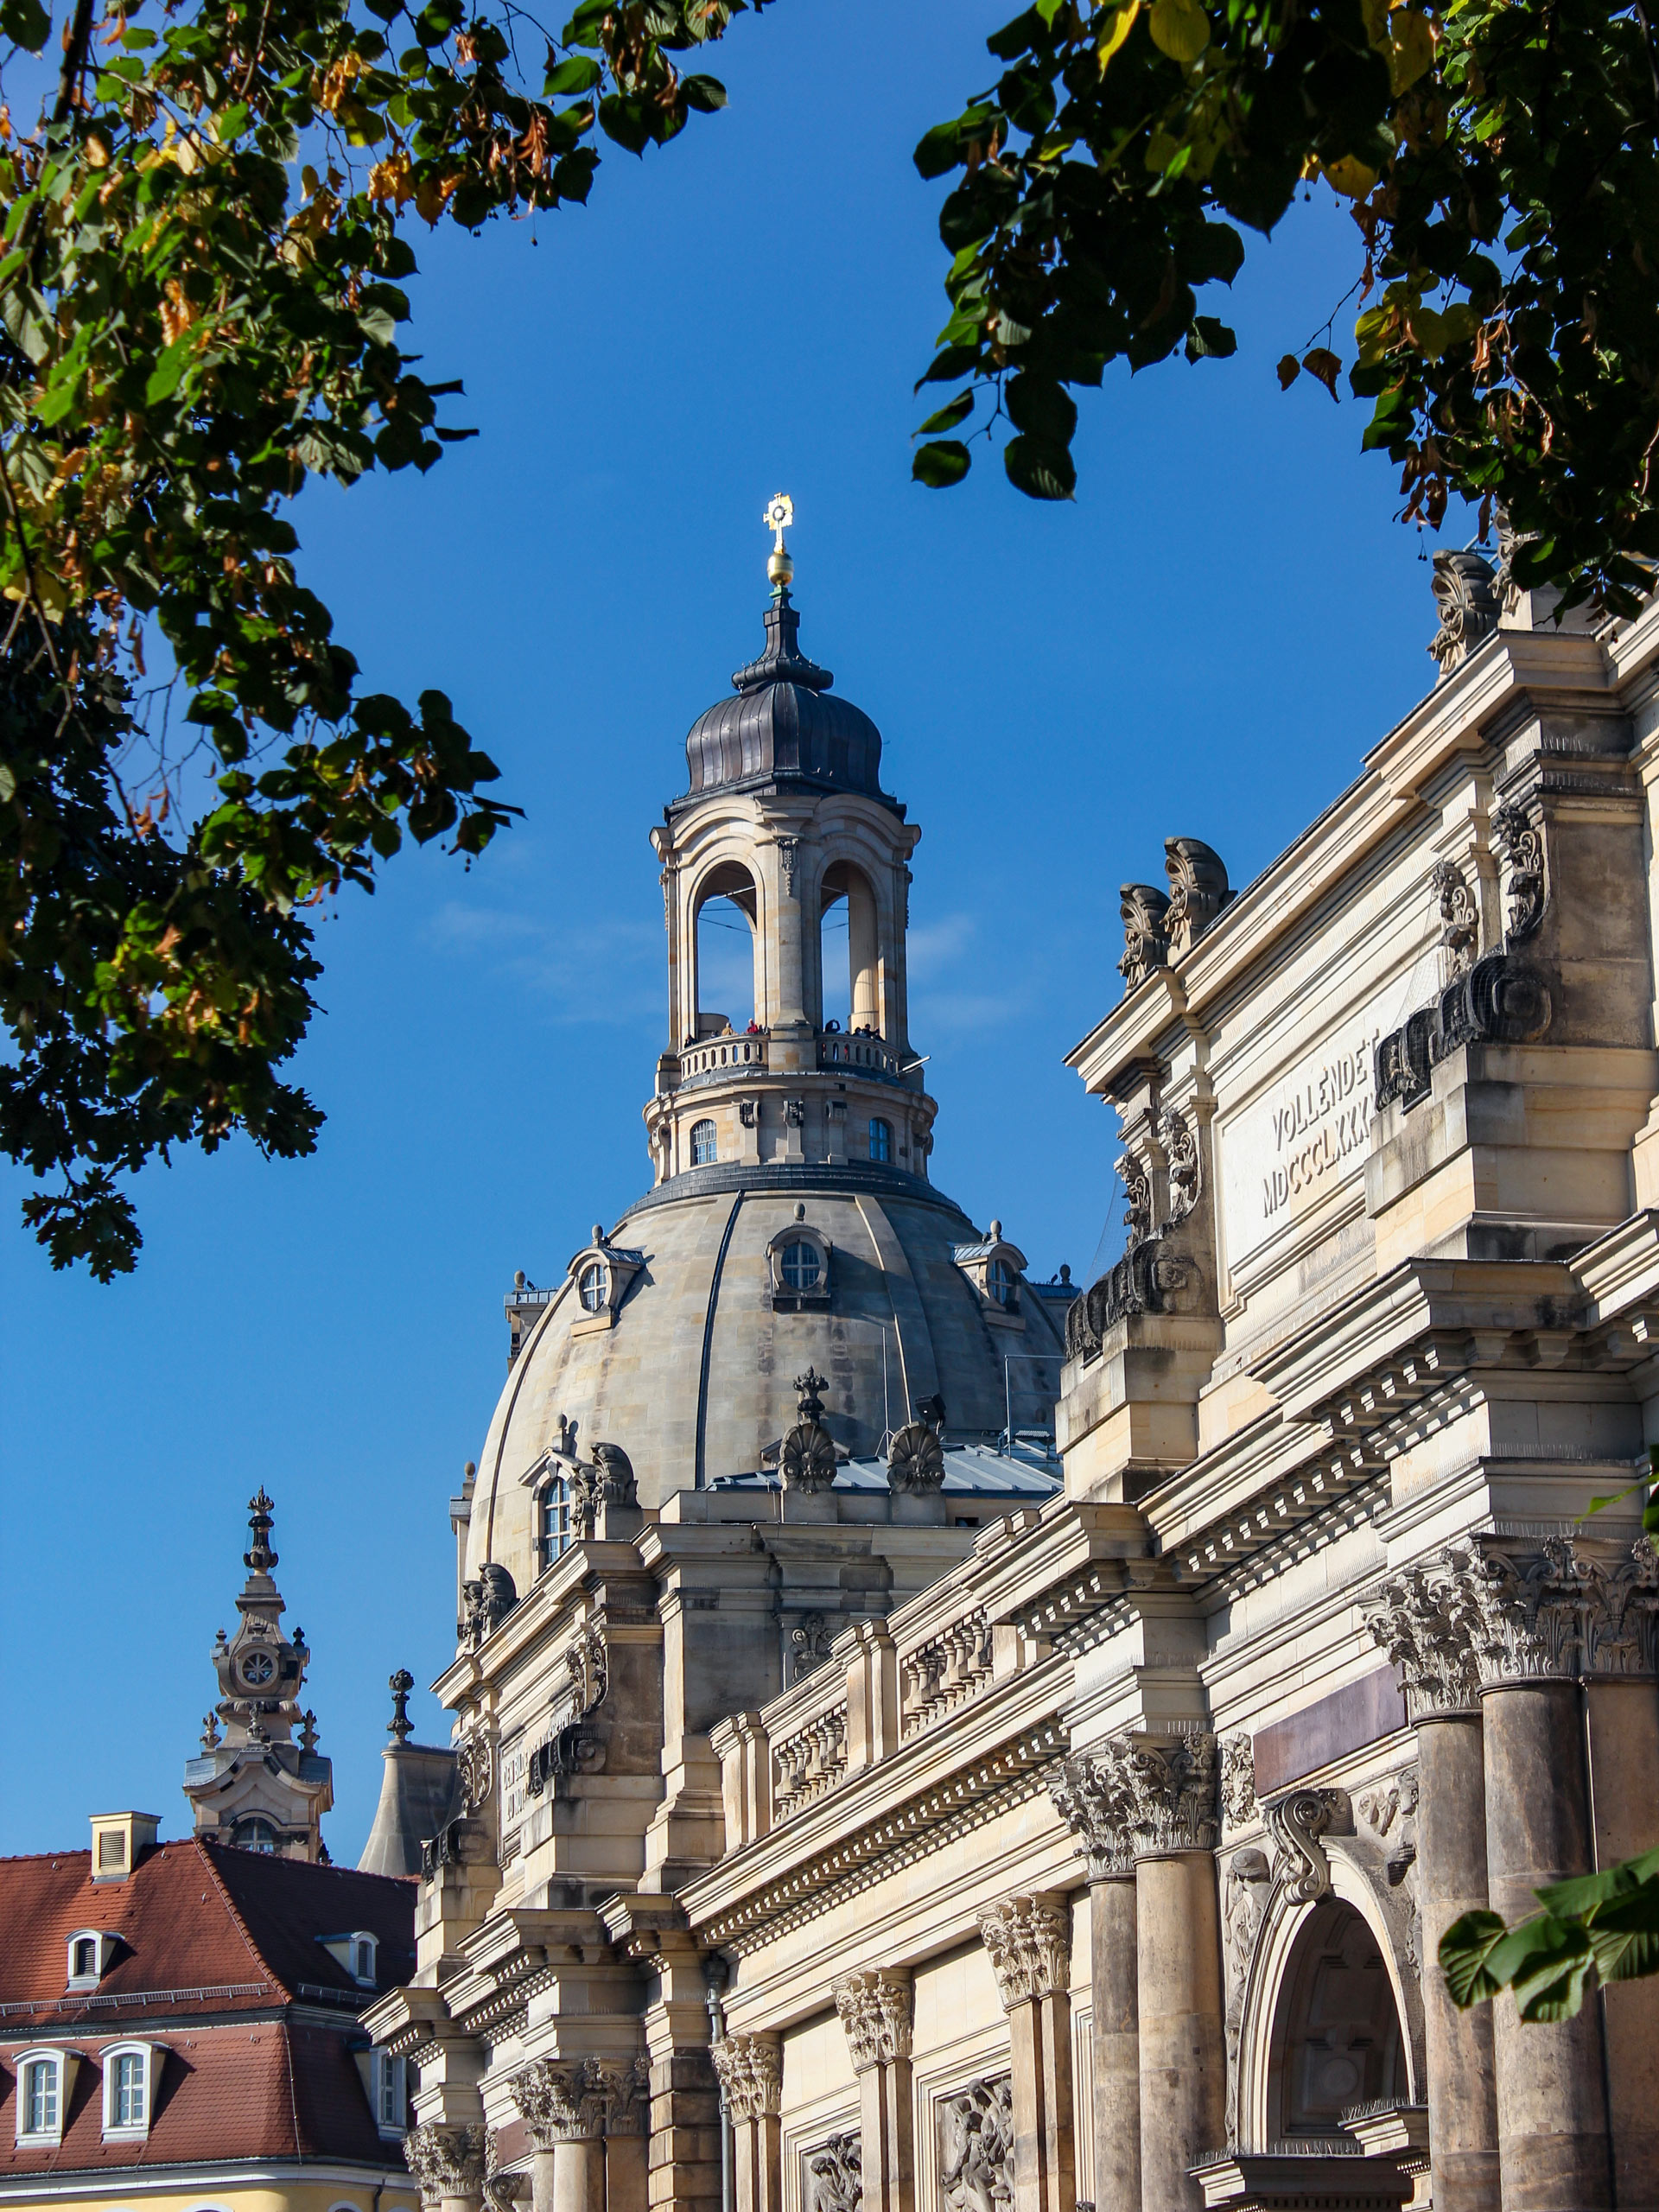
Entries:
{"x":728,"y":1055}
{"x":868,"y":1055}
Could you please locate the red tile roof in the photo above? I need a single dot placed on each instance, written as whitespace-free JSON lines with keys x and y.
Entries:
{"x":205,"y":1933}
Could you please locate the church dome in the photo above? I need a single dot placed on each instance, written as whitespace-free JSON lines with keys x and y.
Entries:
{"x":692,"y":1373}
{"x":783,"y":725}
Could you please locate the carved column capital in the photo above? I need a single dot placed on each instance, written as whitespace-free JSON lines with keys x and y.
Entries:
{"x":876,"y":2011}
{"x":1029,"y":1938}
{"x":1488,"y":1611}
{"x":751,"y":2072}
{"x":1174,"y":1779}
{"x":1425,"y":1620}
{"x":570,"y":2100}
{"x":447,"y":2161}
{"x":1095,"y":1795}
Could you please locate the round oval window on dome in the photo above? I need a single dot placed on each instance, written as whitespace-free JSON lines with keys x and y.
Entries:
{"x":593,"y":1285}
{"x":801,"y":1266}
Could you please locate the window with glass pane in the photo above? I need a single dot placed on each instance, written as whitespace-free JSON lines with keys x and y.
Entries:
{"x":363,"y":1969}
{"x":705,"y":1145}
{"x":127,"y":2098}
{"x":1000,"y":1282}
{"x":801,"y":1266}
{"x":389,"y":2097}
{"x":40,"y":2097}
{"x":555,"y":1519}
{"x":257,"y":1835}
{"x":592,"y":1286}
{"x":880,"y":1141}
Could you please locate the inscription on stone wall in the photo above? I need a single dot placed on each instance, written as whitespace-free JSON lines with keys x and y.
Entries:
{"x":1302,"y":1139}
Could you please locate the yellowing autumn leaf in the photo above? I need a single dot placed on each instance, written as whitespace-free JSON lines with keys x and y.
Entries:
{"x":1350,"y":177}
{"x":1179,"y":29}
{"x":1116,"y":25}
{"x":390,"y":179}
{"x":1412,"y":49}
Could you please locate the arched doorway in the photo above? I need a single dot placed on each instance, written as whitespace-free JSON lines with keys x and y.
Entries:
{"x":1336,"y":2033}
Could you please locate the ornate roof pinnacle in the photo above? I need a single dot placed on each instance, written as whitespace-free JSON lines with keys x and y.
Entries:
{"x":259,"y":1558}
{"x":779,"y":516}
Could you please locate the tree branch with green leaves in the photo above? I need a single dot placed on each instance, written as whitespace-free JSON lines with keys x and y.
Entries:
{"x":1500,"y":160}
{"x":202,"y":262}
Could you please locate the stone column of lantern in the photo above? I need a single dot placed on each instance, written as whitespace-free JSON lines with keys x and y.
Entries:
{"x":1029,"y":1938}
{"x":750,"y":2069}
{"x":1422,"y":1619}
{"x":875,"y":2010}
{"x":1182,"y":2030}
{"x":1095,"y":1795}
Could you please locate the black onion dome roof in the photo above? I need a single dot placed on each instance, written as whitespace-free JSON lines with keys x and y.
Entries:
{"x":783,"y":725}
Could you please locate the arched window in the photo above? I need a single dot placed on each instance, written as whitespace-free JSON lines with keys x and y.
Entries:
{"x":1336,"y":2039}
{"x":40,"y":2101}
{"x":880,"y":1139}
{"x":801,"y":1266}
{"x":705,"y":1144}
{"x":554,"y":1536}
{"x":593,"y":1285}
{"x":1000,"y":1283}
{"x":130,"y":2073}
{"x":255,"y":1836}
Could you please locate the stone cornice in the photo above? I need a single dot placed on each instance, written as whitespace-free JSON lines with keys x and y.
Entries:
{"x":547,"y":1611}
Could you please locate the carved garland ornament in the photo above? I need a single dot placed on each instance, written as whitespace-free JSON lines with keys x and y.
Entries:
{"x":1029,"y":1938}
{"x":876,"y":2012}
{"x":1238,"y":1805}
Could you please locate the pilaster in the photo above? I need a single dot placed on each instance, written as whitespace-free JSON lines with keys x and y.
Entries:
{"x":750,"y":2070}
{"x":876,"y":2012}
{"x":1029,"y":1938}
{"x":1094,"y":1795}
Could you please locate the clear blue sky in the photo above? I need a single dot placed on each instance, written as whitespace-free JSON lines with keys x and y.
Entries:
{"x":1204,"y":642}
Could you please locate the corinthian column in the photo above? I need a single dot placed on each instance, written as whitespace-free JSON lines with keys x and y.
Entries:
{"x":566,"y":2104}
{"x":1095,"y":1796}
{"x":751,"y":2073}
{"x":1423,"y":1622}
{"x":876,"y":2012}
{"x":1523,"y":1614}
{"x":1029,"y":1938}
{"x":1178,"y":1944}
{"x":448,"y":2164}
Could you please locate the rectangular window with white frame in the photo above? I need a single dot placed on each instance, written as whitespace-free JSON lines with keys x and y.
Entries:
{"x":129,"y":2075}
{"x":391,"y":2094}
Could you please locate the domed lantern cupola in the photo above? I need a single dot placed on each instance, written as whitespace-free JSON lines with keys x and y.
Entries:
{"x":786,"y":818}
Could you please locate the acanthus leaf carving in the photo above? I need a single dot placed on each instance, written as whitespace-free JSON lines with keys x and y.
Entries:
{"x":1465,"y":597}
{"x":1460,"y":918}
{"x":1180,"y":1143}
{"x":750,"y":2070}
{"x":1238,"y":1805}
{"x":1520,"y":840}
{"x":1146,"y":938}
{"x":447,"y":2161}
{"x":1029,"y":1938}
{"x":876,"y":2009}
{"x":570,"y":2100}
{"x":1199,"y":890}
{"x":1095,"y":1797}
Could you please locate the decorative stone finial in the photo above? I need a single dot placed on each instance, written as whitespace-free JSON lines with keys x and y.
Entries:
{"x":806,"y":1457}
{"x":1145,"y":910}
{"x":1466,"y":596}
{"x":259,"y":1558}
{"x":599,"y":1232}
{"x":916,"y":1460}
{"x":210,"y":1731}
{"x":809,"y":1404}
{"x":400,"y":1726}
{"x":779,"y":516}
{"x":1199,"y":890}
{"x":307,"y":1731}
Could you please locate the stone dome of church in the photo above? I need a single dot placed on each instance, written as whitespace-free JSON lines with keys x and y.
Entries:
{"x":792,"y":1226}
{"x":693,"y":1374}
{"x":785,"y":723}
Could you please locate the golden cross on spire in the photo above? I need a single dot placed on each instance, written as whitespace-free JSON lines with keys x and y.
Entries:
{"x":778,"y":516}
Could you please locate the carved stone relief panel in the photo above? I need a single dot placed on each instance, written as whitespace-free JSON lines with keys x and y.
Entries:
{"x":1247,"y":1885}
{"x":834,"y":2177}
{"x":975,"y":2147}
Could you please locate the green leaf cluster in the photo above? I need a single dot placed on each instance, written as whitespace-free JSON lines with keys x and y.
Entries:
{"x":1606,"y":1925}
{"x":1501,"y":160}
{"x":204,"y":251}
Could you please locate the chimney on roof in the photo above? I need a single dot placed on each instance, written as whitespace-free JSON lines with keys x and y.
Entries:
{"x":118,"y":1840}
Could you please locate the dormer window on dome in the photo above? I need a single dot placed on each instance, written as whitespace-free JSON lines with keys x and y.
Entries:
{"x":993,"y":1268}
{"x":601,"y":1273}
{"x":799,"y":1267}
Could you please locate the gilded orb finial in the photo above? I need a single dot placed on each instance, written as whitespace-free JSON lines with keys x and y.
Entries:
{"x":778,"y":516}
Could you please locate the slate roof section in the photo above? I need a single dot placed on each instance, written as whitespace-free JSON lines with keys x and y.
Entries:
{"x":220,"y":1961}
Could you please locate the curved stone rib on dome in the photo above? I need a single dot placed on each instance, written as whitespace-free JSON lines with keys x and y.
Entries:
{"x":785,"y":724}
{"x":689,"y":1353}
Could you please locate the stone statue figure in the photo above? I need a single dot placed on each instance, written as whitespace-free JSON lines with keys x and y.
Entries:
{"x":977,"y":2147}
